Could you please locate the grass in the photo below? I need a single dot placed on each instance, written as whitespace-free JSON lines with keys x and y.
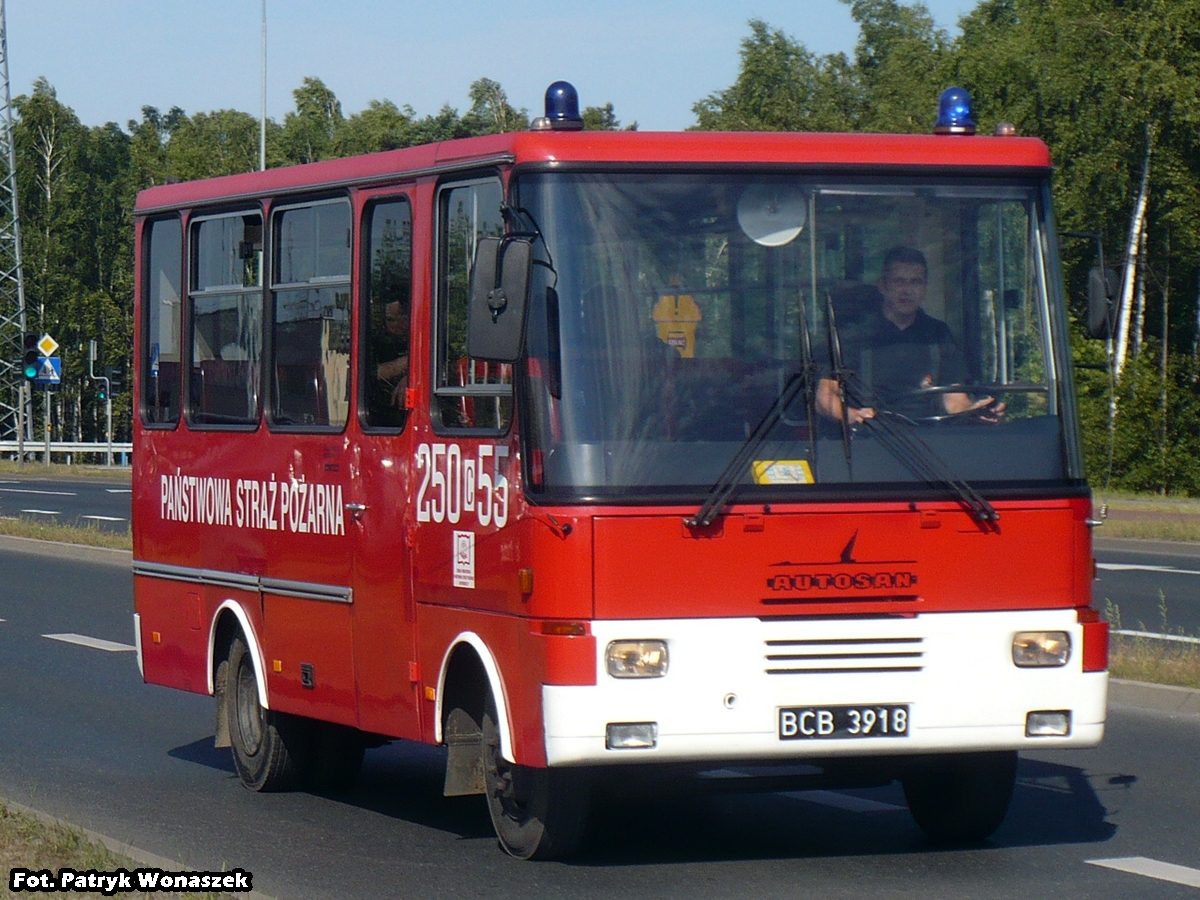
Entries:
{"x":59,"y":470}
{"x":1149,"y":516}
{"x":66,"y":534}
{"x":1152,"y":659}
{"x":30,"y":843}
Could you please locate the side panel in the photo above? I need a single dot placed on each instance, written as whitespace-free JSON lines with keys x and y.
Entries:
{"x":174,"y":643}
{"x":309,"y":657}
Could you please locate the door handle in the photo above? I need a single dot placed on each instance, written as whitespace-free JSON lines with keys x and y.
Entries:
{"x":356,"y":510}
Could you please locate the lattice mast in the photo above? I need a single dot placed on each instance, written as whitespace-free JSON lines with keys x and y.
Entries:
{"x":15,"y":398}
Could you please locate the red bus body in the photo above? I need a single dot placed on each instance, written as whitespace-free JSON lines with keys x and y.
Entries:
{"x":379,"y":577}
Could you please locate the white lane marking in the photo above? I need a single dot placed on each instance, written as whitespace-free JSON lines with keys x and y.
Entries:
{"x":844,"y":801}
{"x":95,"y":643}
{"x":41,"y":512}
{"x":42,"y":493}
{"x":119,"y":490}
{"x":104,"y":518}
{"x":1151,"y":868}
{"x":1130,"y":567}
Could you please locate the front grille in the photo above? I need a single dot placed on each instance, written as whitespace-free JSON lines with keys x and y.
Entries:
{"x":838,"y":656}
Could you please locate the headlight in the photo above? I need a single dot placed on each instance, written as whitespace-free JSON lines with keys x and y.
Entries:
{"x":1036,"y":649}
{"x":636,"y":659}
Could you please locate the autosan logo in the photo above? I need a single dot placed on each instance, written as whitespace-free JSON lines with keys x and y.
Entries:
{"x":846,"y":574}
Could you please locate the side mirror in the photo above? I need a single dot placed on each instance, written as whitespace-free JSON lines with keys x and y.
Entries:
{"x":1101,"y":291}
{"x":499,"y":298}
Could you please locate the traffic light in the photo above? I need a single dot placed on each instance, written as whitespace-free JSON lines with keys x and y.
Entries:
{"x":31,"y":356}
{"x":114,"y":375}
{"x":103,"y":392}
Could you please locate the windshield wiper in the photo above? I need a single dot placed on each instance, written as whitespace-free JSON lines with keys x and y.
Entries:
{"x":895,"y":434}
{"x":727,"y":482}
{"x":731,"y":475}
{"x":840,"y":374}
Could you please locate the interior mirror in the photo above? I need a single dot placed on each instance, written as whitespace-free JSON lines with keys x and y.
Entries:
{"x":499,"y":297}
{"x":1102,"y":288}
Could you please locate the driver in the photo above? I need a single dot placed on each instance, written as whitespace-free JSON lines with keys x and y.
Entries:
{"x":900,"y":349}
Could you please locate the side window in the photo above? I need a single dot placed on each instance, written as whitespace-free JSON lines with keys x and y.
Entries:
{"x":470,"y":393}
{"x":226,"y":323}
{"x":386,"y":310}
{"x":162,"y":321}
{"x":310,"y":331}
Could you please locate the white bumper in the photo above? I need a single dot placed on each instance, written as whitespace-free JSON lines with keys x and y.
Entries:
{"x":728,"y":679}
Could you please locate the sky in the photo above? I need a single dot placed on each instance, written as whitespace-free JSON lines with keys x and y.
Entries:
{"x":652,"y":59}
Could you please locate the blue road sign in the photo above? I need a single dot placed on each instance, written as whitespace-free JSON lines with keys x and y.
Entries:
{"x":49,"y":370}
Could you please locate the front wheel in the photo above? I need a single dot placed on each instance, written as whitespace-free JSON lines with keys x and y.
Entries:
{"x":537,"y":813}
{"x":963,"y":797}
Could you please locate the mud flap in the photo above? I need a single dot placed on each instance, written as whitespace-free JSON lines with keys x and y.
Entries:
{"x":464,"y":763}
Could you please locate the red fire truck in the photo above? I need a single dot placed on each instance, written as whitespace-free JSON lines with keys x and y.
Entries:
{"x":523,"y":445}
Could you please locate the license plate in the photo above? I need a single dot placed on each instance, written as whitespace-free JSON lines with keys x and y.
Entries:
{"x":810,"y":723}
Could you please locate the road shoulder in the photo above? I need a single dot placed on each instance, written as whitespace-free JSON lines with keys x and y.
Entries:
{"x":60,"y":550}
{"x":1160,"y":697}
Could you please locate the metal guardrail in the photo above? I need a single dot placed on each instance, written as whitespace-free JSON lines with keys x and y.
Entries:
{"x":1183,"y":639}
{"x":37,"y":448}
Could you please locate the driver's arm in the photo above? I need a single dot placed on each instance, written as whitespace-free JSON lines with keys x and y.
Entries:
{"x":829,"y":403}
{"x":990,"y":410}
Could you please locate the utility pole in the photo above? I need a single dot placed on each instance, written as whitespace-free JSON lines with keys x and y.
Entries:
{"x":16,"y":400}
{"x":262,"y":121}
{"x":106,"y":394}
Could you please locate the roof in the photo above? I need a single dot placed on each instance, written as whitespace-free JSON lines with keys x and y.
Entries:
{"x":705,"y":148}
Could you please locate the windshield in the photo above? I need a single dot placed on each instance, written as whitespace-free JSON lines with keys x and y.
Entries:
{"x":671,"y":311}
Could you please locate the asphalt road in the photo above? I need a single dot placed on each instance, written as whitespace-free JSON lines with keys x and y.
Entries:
{"x":79,"y":501}
{"x":84,"y":739}
{"x":1149,"y":585}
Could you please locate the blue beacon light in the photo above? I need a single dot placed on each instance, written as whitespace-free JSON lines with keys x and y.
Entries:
{"x":562,"y":109}
{"x":954,"y":113}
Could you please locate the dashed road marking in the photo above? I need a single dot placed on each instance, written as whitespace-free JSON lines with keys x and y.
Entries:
{"x":40,"y":493}
{"x":95,"y":643}
{"x":1151,"y":868}
{"x":119,"y":490}
{"x":104,"y":518}
{"x":41,"y":512}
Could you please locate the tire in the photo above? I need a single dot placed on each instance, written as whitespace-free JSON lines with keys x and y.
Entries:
{"x":262,"y":741}
{"x":961,"y":798}
{"x":537,"y":813}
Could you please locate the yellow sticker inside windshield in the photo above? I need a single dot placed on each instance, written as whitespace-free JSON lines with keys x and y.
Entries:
{"x":782,"y":471}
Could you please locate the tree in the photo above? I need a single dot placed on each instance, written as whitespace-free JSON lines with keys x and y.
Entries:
{"x":205,"y":145}
{"x":309,"y":133}
{"x":782,"y":87}
{"x":490,"y":112}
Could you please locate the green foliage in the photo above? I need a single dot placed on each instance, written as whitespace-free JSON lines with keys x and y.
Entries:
{"x":77,"y":188}
{"x":782,"y":87}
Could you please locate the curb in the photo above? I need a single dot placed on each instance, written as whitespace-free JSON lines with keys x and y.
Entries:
{"x":60,"y":550}
{"x":145,"y":858}
{"x":1160,"y":697}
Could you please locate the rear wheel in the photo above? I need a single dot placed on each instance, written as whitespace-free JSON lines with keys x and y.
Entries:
{"x":963,"y":797}
{"x":263,"y":741}
{"x":537,"y":813}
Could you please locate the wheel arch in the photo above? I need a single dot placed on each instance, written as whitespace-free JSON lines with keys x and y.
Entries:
{"x":228,"y":620}
{"x":467,"y":666}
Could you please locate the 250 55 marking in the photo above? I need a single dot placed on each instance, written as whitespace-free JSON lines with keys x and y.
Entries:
{"x":454,"y":484}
